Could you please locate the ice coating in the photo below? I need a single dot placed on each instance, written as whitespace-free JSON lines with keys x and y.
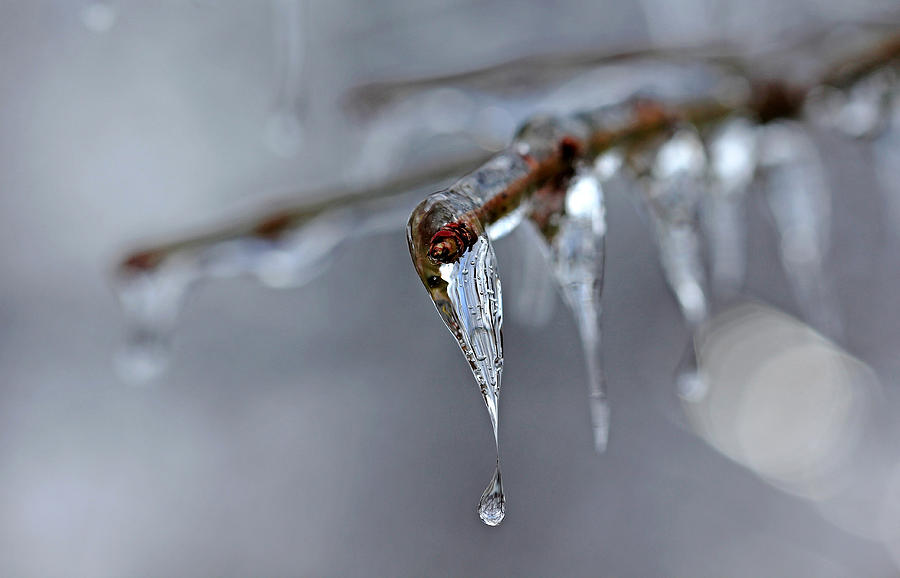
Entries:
{"x":800,"y":202}
{"x":153,"y":286}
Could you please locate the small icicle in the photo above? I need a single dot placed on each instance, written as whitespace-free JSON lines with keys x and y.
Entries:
{"x":151,"y":301}
{"x":675,"y":184}
{"x":800,"y":202}
{"x":674,"y":188}
{"x":732,"y":165}
{"x":576,"y":244}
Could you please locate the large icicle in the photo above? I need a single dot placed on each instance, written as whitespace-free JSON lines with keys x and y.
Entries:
{"x":467,"y":295}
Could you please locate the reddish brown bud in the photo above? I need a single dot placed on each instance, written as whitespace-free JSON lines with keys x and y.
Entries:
{"x":450,"y":242}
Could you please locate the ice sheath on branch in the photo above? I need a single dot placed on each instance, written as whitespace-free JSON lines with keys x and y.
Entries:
{"x":553,"y":177}
{"x":549,"y":176}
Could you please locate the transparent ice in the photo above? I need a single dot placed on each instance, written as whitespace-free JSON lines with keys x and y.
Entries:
{"x":732,"y":165}
{"x":475,"y":318}
{"x":675,"y":184}
{"x":151,"y":303}
{"x":674,"y":188}
{"x":152,"y":298}
{"x":577,"y":253}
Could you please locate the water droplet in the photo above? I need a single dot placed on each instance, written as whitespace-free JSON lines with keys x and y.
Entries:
{"x":492,"y":506}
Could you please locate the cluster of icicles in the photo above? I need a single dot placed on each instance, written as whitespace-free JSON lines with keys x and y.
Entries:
{"x":693,"y":181}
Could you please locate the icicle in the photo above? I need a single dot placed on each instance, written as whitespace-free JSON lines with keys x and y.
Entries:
{"x":675,"y":184}
{"x":576,"y":250}
{"x":732,"y":165}
{"x":151,"y":301}
{"x":468,"y":297}
{"x":476,"y":316}
{"x":800,"y":203}
{"x":674,"y":189}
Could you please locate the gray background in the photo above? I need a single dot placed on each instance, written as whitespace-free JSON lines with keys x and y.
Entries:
{"x":334,"y":430}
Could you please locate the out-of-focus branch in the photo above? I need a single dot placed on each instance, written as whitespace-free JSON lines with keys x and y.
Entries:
{"x":535,"y":72}
{"x":765,"y":100}
{"x":273,"y":224}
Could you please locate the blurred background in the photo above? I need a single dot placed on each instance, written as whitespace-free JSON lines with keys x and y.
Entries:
{"x":334,"y":429}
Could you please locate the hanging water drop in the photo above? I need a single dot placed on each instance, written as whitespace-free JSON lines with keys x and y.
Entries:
{"x":492,"y":506}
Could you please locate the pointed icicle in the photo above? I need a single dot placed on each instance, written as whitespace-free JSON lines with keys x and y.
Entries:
{"x":473,"y":288}
{"x":576,"y":251}
{"x":675,"y":183}
{"x":732,"y":165}
{"x":151,"y":301}
{"x":800,"y":202}
{"x":674,"y":188}
{"x":467,"y":294}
